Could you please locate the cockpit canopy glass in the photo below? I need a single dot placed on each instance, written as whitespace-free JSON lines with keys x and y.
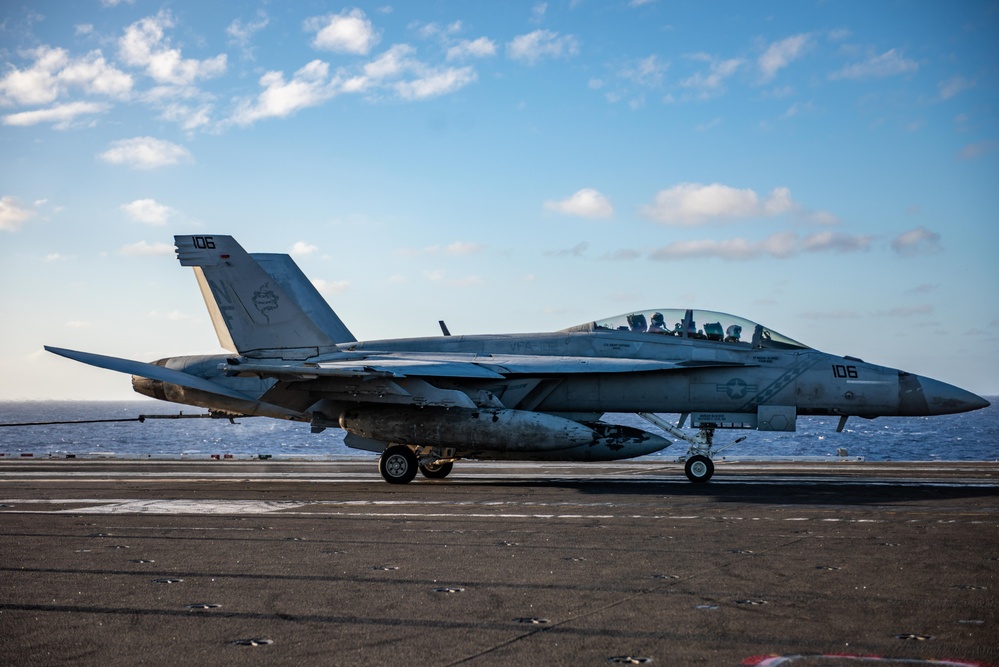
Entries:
{"x":698,"y":325}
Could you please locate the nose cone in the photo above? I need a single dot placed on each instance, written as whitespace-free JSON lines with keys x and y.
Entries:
{"x":924,"y":396}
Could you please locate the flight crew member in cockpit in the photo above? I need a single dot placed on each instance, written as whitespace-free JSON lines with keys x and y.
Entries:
{"x":657,"y":324}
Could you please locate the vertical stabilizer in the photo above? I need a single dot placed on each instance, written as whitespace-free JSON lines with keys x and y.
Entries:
{"x":260,"y":308}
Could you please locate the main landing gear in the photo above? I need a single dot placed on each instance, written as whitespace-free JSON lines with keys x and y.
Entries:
{"x":398,"y":465}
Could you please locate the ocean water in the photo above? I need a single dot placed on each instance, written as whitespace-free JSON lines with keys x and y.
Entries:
{"x":972,"y":436}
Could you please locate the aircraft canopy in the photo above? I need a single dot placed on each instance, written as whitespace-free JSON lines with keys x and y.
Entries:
{"x":695,"y":324}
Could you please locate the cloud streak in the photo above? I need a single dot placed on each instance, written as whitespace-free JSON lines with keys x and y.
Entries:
{"x":780,"y":54}
{"x":916,"y":242}
{"x":781,"y":245}
{"x":889,"y":63}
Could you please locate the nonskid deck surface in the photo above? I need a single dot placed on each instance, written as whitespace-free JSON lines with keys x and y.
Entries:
{"x":118,"y":562}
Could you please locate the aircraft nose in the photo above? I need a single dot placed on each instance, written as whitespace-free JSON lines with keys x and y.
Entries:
{"x":925,"y":396}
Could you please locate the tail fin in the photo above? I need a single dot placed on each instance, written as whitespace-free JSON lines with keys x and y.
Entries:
{"x":260,"y":304}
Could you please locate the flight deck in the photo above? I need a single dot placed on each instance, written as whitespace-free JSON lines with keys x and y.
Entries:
{"x":117,"y":562}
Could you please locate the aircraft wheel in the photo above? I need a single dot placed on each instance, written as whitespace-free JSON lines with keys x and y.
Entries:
{"x":699,"y":468}
{"x":398,"y":465}
{"x":437,"y":470}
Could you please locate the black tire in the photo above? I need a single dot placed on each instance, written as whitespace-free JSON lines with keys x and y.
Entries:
{"x":398,"y":465}
{"x":437,"y":470}
{"x":699,"y":469}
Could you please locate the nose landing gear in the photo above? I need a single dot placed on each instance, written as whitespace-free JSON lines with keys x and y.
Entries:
{"x":698,"y":466}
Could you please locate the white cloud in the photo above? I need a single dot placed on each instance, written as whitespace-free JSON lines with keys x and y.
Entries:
{"x":241,"y":33}
{"x":467,"y":281}
{"x":575,"y":251}
{"x":586,"y":203}
{"x":538,"y":12}
{"x":781,"y":245}
{"x":690,"y":204}
{"x":710,"y":82}
{"x":189,"y":118}
{"x":534,"y":46}
{"x":36,"y":84}
{"x":350,"y":31}
{"x":144,"y":45}
{"x":708,"y":125}
{"x":62,"y":115}
{"x":12,"y":214}
{"x":647,"y":71}
{"x":953,"y":86}
{"x":918,"y":241}
{"x":622,"y":254}
{"x":797,"y":108}
{"x":144,"y":153}
{"x":394,"y":62}
{"x":55,"y":257}
{"x":95,"y":76}
{"x":331,"y":286}
{"x":482,"y":47}
{"x":435,"y":83}
{"x":835,"y":242}
{"x":308,"y":87}
{"x":143,"y":249}
{"x":431,"y":30}
{"x":972,"y":151}
{"x":148,"y":211}
{"x":301,"y":249}
{"x":463,"y":248}
{"x":53,"y":73}
{"x":889,"y":63}
{"x":434,"y":275}
{"x":780,"y":54}
{"x":397,"y":62}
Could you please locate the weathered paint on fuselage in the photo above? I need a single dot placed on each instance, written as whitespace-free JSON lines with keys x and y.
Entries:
{"x":813,"y":382}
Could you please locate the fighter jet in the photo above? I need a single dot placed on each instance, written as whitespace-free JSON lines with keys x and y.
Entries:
{"x":425,"y":403}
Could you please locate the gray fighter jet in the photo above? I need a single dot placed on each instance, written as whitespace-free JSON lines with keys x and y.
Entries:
{"x":425,"y":403}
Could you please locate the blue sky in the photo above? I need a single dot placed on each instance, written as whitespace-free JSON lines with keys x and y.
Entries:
{"x":830,"y":169}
